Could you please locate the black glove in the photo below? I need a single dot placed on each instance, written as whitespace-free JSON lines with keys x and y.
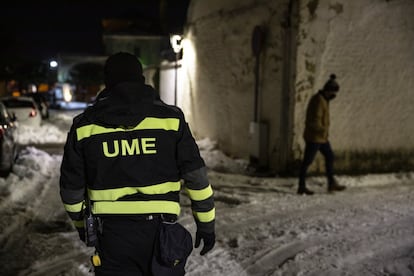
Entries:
{"x":81,"y":232}
{"x":209,"y":239}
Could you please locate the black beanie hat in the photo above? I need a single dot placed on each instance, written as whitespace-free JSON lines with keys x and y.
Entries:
{"x":331,"y":84}
{"x":122,"y":67}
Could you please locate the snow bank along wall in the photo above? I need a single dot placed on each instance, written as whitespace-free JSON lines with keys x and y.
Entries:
{"x":368,"y":44}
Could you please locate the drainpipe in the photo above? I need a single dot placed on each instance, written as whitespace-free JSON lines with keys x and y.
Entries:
{"x":257,"y":46}
{"x":258,"y":130}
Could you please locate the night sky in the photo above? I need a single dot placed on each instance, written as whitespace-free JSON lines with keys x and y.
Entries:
{"x":39,"y":31}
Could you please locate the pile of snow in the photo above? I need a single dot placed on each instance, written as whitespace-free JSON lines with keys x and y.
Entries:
{"x":216,"y":160}
{"x":45,"y":134}
{"x":32,"y":168}
{"x":51,"y":131}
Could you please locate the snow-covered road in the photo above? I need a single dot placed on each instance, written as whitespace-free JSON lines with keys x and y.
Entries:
{"x":36,"y":237}
{"x":269,"y":230}
{"x":263,"y":226}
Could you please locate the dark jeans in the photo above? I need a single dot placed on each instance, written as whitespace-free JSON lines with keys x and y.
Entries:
{"x":310,"y":152}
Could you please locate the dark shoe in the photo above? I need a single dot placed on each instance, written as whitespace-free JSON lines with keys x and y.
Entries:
{"x":304,"y":191}
{"x":335,"y":187}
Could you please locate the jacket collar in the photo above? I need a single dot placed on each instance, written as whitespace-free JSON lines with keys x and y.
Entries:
{"x":125,"y":104}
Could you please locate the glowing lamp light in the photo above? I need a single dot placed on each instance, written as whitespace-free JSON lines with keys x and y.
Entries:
{"x":53,"y":63}
{"x":16,"y":93}
{"x":175,"y":41}
{"x":67,"y":95}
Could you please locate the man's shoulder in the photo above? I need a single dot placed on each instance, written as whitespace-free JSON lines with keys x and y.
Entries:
{"x":169,"y":110}
{"x":317,"y":99}
{"x":80,"y":119}
{"x":317,"y":96}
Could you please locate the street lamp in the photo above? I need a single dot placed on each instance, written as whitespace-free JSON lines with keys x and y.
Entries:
{"x":52,"y":72}
{"x":175,"y":41}
{"x":53,"y":64}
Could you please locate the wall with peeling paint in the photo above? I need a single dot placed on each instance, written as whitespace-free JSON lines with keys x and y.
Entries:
{"x":368,"y":44}
{"x":219,"y":99}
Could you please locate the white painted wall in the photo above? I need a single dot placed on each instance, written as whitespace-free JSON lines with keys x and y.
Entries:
{"x":367,"y":43}
{"x":218,"y":65}
{"x":168,"y":74}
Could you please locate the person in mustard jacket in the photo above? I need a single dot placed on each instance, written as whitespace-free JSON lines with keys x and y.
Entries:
{"x":316,"y":136}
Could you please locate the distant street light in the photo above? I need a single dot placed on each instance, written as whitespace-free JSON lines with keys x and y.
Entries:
{"x":53,"y":63}
{"x":175,"y":41}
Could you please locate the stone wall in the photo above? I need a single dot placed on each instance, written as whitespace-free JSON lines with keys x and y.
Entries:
{"x":219,"y":64}
{"x":368,"y":44}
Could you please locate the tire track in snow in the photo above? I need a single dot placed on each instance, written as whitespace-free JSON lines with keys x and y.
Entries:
{"x":367,"y":248}
{"x":58,"y":265}
{"x":35,"y":223}
{"x":274,"y":257}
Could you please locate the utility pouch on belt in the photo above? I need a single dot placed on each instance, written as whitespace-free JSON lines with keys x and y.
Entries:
{"x":172,"y":250}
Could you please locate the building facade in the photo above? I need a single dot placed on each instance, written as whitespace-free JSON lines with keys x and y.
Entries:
{"x":367,"y":44}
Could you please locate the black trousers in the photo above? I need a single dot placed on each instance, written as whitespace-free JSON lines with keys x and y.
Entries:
{"x":126,"y":246}
{"x":311,"y":150}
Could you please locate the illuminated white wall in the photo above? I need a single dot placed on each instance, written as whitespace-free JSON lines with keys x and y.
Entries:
{"x":218,"y":66}
{"x":168,"y":75}
{"x":367,"y":43}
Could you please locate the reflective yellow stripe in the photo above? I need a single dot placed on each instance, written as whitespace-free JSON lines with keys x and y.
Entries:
{"x":147,"y":123}
{"x":206,"y":216}
{"x":200,"y":194}
{"x":114,"y":194}
{"x":74,"y":207}
{"x":136,"y":207}
{"x":79,"y":223}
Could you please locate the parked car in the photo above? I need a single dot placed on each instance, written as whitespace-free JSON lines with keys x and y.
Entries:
{"x":42,"y":104}
{"x":8,"y":146}
{"x":24,"y":109}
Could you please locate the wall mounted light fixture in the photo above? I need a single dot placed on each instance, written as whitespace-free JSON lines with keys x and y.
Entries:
{"x":176,"y":45}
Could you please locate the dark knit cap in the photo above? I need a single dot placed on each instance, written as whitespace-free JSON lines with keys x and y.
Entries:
{"x":121,"y":67}
{"x":331,"y":84}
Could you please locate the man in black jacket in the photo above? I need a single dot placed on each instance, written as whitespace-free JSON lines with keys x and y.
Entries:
{"x":126,"y":155}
